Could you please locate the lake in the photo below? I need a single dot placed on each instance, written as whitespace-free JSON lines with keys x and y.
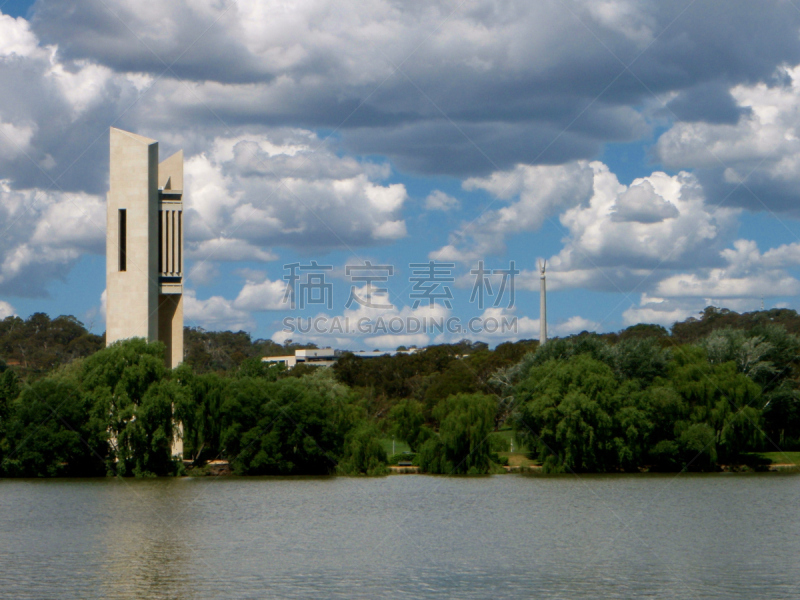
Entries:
{"x":509,"y":536}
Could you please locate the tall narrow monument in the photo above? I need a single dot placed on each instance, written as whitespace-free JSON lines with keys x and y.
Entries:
{"x":542,"y":304}
{"x":144,"y":244}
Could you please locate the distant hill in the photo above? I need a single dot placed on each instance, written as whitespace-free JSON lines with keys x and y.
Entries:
{"x":221,"y":351}
{"x":692,"y":330}
{"x":39,"y":344}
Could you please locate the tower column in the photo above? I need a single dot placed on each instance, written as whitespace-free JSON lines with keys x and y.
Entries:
{"x":144,"y":245}
{"x":542,"y":303}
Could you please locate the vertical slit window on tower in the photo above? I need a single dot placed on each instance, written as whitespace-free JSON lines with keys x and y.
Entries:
{"x":171,"y":241}
{"x":123,"y":241}
{"x":174,"y":230}
{"x":180,"y":258}
{"x":161,"y":242}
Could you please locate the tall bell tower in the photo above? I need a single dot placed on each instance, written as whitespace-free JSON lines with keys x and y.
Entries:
{"x":542,"y":302}
{"x":144,"y":244}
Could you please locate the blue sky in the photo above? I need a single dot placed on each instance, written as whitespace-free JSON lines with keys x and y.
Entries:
{"x":649,"y":152}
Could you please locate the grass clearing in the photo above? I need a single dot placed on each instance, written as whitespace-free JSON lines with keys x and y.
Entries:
{"x":518,"y":459}
{"x":778,"y":458}
{"x":506,"y":436}
{"x":399,"y":446}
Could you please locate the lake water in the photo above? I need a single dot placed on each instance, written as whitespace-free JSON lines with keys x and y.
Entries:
{"x":686,"y":536}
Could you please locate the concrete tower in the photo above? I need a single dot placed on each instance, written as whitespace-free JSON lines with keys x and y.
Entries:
{"x":144,"y":244}
{"x":542,"y":304}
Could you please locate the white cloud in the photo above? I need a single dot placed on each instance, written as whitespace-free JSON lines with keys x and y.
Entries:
{"x":6,"y":310}
{"x":575,"y":324}
{"x":642,"y":204}
{"x":250,"y":193}
{"x":203,"y":273}
{"x":540,"y":192}
{"x":747,"y":274}
{"x":768,"y":133}
{"x":660,"y":311}
{"x":262,"y":294}
{"x":370,"y":327}
{"x":82,"y":85}
{"x":667,"y":311}
{"x":42,"y":234}
{"x":438,"y":200}
{"x":718,"y":283}
{"x":14,"y":139}
{"x":760,"y":150}
{"x":747,"y":277}
{"x":16,"y":37}
{"x":214,"y":313}
{"x":606,"y":252}
{"x":618,"y":235}
{"x":228,"y":249}
{"x":625,"y":16}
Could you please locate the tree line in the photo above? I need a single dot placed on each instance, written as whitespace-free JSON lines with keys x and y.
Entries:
{"x":698,"y":397}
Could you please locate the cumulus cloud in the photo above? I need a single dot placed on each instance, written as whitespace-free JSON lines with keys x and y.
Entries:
{"x":753,"y":161}
{"x":16,"y":37}
{"x":617,"y":235}
{"x":53,"y":112}
{"x":262,"y":294}
{"x":335,"y":65}
{"x":536,"y":193}
{"x":43,"y":234}
{"x":668,"y":311}
{"x":248,"y":193}
{"x":747,"y":277}
{"x":214,"y":313}
{"x":747,"y":274}
{"x":203,"y":273}
{"x":438,"y":200}
{"x":661,"y":311}
{"x":6,"y":310}
{"x":641,"y":203}
{"x":626,"y":236}
{"x":525,"y":327}
{"x":375,"y":322}
{"x":506,"y":95}
{"x":575,"y":324}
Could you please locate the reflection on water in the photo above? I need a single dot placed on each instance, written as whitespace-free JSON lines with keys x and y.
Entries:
{"x":147,"y":556}
{"x":721,"y":536}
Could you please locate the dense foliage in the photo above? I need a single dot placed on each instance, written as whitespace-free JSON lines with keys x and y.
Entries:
{"x":697,"y":398}
{"x":224,"y":351}
{"x":586,"y":405}
{"x":38,"y":344}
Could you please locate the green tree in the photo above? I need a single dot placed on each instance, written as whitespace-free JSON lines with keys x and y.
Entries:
{"x":363,"y":452}
{"x":639,"y":358}
{"x":408,"y":418}
{"x":462,"y":444}
{"x":118,"y":382}
{"x":145,"y":444}
{"x":199,"y":410}
{"x":294,"y":426}
{"x":255,"y":367}
{"x":51,"y":433}
{"x":720,"y":397}
{"x":565,"y":413}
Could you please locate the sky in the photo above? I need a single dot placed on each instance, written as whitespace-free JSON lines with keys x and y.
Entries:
{"x":648,"y":151}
